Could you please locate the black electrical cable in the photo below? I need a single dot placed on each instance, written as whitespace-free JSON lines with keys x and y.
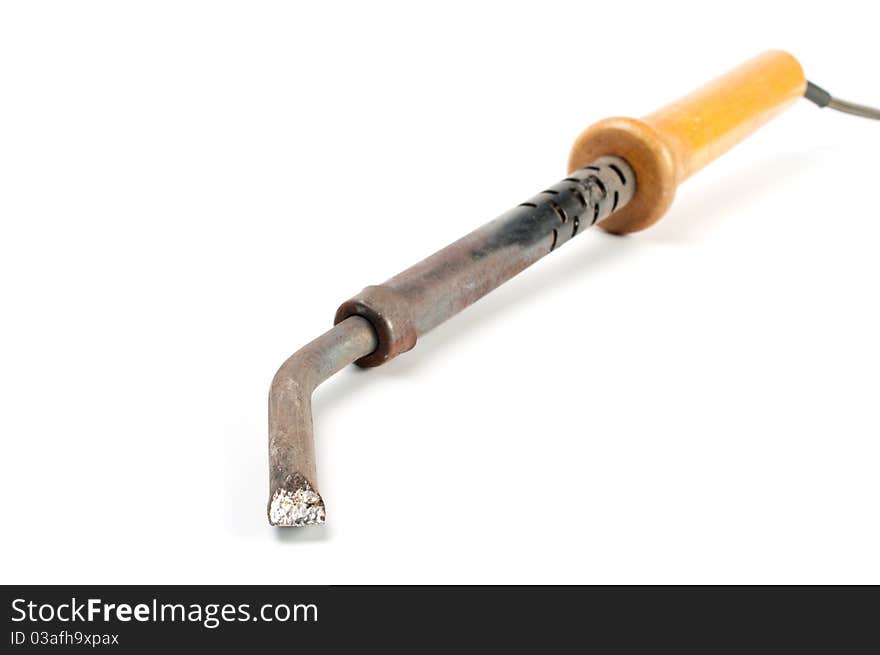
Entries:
{"x":820,"y":97}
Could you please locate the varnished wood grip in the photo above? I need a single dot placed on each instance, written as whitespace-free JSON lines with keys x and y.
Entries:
{"x":670,"y":145}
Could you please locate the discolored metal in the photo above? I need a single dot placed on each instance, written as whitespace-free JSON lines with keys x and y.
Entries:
{"x":423,"y":296}
{"x":386,"y":320}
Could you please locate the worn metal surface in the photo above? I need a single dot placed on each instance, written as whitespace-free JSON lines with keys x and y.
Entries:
{"x":384,"y":321}
{"x":293,"y":487}
{"x":423,"y":296}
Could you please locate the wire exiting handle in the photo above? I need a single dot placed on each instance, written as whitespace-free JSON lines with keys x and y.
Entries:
{"x":821,"y":98}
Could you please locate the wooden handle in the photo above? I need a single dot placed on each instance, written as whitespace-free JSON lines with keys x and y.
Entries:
{"x":670,"y":145}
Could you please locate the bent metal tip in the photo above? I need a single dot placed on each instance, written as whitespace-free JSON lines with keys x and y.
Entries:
{"x":294,"y":499}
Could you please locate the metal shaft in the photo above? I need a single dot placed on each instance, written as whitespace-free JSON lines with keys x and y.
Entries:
{"x":386,"y":320}
{"x":447,"y":282}
{"x":423,"y":296}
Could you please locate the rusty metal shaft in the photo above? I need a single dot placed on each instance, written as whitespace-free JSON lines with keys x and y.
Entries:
{"x":386,"y":320}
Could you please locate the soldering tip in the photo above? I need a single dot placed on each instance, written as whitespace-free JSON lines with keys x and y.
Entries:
{"x":296,"y":504}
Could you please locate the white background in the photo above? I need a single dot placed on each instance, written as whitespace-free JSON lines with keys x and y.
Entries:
{"x":188,"y":191}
